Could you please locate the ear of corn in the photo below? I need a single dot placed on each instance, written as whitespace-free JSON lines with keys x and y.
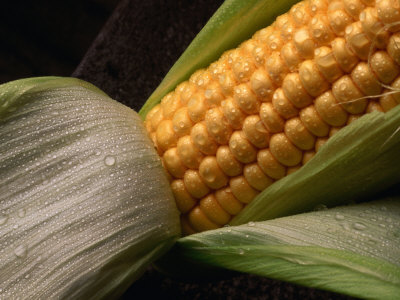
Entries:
{"x":264,"y":109}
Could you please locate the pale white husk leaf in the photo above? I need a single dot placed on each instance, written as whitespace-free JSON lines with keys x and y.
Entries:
{"x":84,"y":201}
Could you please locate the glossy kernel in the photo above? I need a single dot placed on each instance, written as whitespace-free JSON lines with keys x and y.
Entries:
{"x":311,"y":78}
{"x":255,"y":131}
{"x":211,"y":173}
{"x":271,"y":118}
{"x":228,"y":201}
{"x":256,"y":177}
{"x":284,"y":150}
{"x":298,"y":134}
{"x":348,"y":95}
{"x":241,"y":148}
{"x":227,"y":162}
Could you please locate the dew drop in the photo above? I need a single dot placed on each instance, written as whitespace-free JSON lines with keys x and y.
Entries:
{"x":241,"y":251}
{"x":21,"y":251}
{"x":251,"y":224}
{"x":109,"y":160}
{"x":21,"y":212}
{"x":339,"y":217}
{"x":3,"y":219}
{"x":359,"y":226}
{"x":97,"y":152}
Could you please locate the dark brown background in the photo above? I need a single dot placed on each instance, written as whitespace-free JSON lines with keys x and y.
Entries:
{"x":126,"y":56}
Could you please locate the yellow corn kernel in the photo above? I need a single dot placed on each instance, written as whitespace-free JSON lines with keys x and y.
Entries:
{"x":338,"y":18}
{"x":320,"y":30}
{"x":188,"y":153}
{"x":197,"y":107}
{"x":384,"y":67}
{"x":194,"y":184}
{"x":187,"y":229}
{"x":357,"y":40}
{"x":218,"y":126}
{"x":165,"y":135}
{"x":246,"y":99}
{"x":290,"y":55}
{"x":185,"y":91}
{"x":348,"y":95}
{"x":327,"y":64}
{"x":353,"y":8}
{"x":374,"y":106}
{"x":173,"y":163}
{"x":202,"y":139}
{"x":241,"y":148}
{"x":307,"y":156}
{"x":312,"y":80}
{"x":276,"y":68}
{"x":213,"y":94}
{"x":283,"y":105}
{"x":299,"y":135}
{"x":393,"y":48}
{"x":227,"y":162}
{"x":255,"y":131}
{"x":291,"y":170}
{"x":271,"y":118}
{"x":181,"y":122}
{"x":264,"y":109}
{"x":387,"y":102}
{"x":284,"y":150}
{"x":396,"y":87}
{"x":295,"y":92}
{"x":270,"y":165}
{"x":256,"y":177}
{"x":170,"y":104}
{"x":313,"y":122}
{"x":388,"y":13}
{"x":262,"y":85}
{"x":232,"y":113}
{"x":329,"y":110}
{"x":211,"y":173}
{"x":345,"y":58}
{"x":242,"y":190}
{"x":199,"y":221}
{"x":334,"y":130}
{"x":319,"y":143}
{"x":228,"y":201}
{"x":184,"y":201}
{"x":213,"y":210}
{"x":365,"y":79}
{"x":373,"y":27}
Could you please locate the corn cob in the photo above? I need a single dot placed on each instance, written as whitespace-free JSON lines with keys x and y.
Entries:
{"x":264,"y":109}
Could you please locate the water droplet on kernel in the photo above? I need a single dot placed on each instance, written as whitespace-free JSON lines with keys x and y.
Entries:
{"x":359,"y":226}
{"x":339,"y":217}
{"x":109,"y":160}
{"x":3,"y":219}
{"x":21,"y":212}
{"x":21,"y":251}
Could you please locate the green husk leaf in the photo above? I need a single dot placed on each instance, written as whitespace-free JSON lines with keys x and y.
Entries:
{"x":353,"y":250}
{"x":234,"y":22}
{"x":360,"y":160}
{"x":85,"y":204}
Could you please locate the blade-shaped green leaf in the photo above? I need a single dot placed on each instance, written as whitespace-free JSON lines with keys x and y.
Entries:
{"x":360,"y":160}
{"x":353,"y":250}
{"x":234,"y":22}
{"x":85,"y":205}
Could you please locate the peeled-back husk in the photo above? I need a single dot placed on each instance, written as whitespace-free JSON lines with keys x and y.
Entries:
{"x":85,"y":205}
